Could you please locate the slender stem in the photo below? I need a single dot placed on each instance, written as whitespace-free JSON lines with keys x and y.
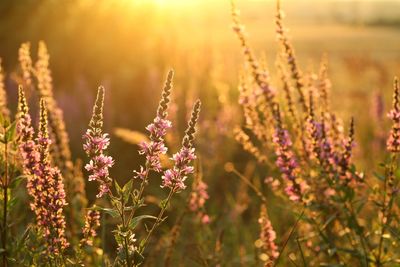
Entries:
{"x":360,"y":235}
{"x":159,"y":218}
{"x":301,"y":253}
{"x":5,"y":200}
{"x":385,"y":210}
{"x":288,"y":238}
{"x":103,"y":235}
{"x":249,"y":183}
{"x":141,"y":190}
{"x":175,"y":236}
{"x":124,"y":227}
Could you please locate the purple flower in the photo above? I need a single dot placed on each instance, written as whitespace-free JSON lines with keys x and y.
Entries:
{"x":287,"y":162}
{"x":45,"y":183}
{"x":92,"y":222}
{"x":174,"y":178}
{"x":393,"y":142}
{"x":267,"y":237}
{"x":96,"y":142}
{"x":344,"y":162}
{"x":155,"y":147}
{"x":198,"y":198}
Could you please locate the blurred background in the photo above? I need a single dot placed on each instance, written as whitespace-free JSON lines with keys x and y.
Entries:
{"x":129,"y":45}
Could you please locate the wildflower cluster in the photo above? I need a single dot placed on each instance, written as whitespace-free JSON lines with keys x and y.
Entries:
{"x":303,"y":176}
{"x":36,"y":77}
{"x":45,"y":182}
{"x":314,"y":157}
{"x":287,"y":162}
{"x":127,"y":200}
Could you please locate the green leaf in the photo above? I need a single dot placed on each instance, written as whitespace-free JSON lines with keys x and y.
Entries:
{"x":2,"y":119}
{"x":17,"y":180}
{"x":113,"y":212}
{"x":141,"y":245}
{"x":10,"y":132}
{"x":118,"y":188}
{"x":163,"y":204}
{"x":126,"y":190}
{"x":11,"y":203}
{"x":135,"y":221}
{"x":379,"y":176}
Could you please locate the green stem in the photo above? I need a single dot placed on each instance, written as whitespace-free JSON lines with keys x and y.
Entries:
{"x":141,"y":190}
{"x":385,"y":210}
{"x":124,"y":227}
{"x":5,"y":200}
{"x":174,"y":238}
{"x":251,"y":185}
{"x":288,"y":238}
{"x":159,"y":219}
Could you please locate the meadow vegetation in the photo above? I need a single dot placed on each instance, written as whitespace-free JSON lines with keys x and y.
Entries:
{"x":266,"y":148}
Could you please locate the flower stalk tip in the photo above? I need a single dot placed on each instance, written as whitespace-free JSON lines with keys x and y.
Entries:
{"x":174,"y":178}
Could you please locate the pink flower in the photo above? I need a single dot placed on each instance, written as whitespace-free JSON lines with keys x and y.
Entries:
{"x":45,"y":183}
{"x":92,"y":222}
{"x":344,"y":162}
{"x":198,"y":198}
{"x":205,"y":219}
{"x":155,"y":147}
{"x":96,"y":142}
{"x":174,"y":178}
{"x":287,"y":162}
{"x":267,"y":236}
{"x":393,"y":142}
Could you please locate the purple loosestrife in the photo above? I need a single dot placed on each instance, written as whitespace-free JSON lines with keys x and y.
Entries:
{"x":314,"y":133}
{"x":287,"y":162}
{"x":25,"y":61}
{"x":345,"y":158}
{"x":175,"y":178}
{"x":155,"y":147}
{"x":291,"y":59}
{"x":92,"y":222}
{"x":324,"y":84}
{"x":45,"y":184}
{"x":267,"y":238}
{"x":198,"y":198}
{"x":27,"y":147}
{"x":96,"y":142}
{"x":393,"y":142}
{"x":328,"y":155}
{"x":261,"y":76}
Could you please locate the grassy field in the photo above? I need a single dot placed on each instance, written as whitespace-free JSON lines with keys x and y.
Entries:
{"x":128,"y":46}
